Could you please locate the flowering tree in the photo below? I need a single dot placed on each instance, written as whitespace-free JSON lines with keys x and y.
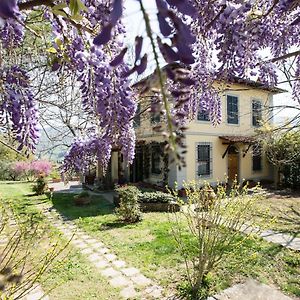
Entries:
{"x":28,"y":169}
{"x":205,"y":40}
{"x":41,"y":167}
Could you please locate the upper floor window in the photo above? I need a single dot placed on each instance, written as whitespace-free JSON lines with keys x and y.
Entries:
{"x":256,"y":112}
{"x":256,"y":159}
{"x":204,"y":159}
{"x":155,"y":159}
{"x":137,"y":118}
{"x":232,"y":110}
{"x":203,"y":115}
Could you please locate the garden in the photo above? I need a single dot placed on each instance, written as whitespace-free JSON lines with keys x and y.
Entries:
{"x":73,"y":74}
{"x":159,"y":244}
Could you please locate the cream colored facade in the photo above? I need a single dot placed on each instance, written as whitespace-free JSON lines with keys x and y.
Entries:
{"x":204,"y":133}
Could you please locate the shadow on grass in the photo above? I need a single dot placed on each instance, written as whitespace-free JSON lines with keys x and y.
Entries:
{"x":113,"y":225}
{"x":64,"y":203}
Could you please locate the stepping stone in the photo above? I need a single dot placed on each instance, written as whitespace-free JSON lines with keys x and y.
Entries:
{"x":82,"y":245}
{"x":130,"y":271}
{"x":120,"y":281}
{"x":119,"y":263}
{"x":97,"y":245}
{"x":110,"y":257}
{"x":101,"y":264}
{"x":250,"y":290}
{"x":103,"y":250}
{"x":110,"y":272}
{"x":155,"y":292}
{"x":87,"y":251}
{"x":128,"y":292}
{"x":94,"y":257}
{"x":92,"y":241}
{"x":141,"y":280}
{"x":76,"y":242}
{"x":83,"y":236}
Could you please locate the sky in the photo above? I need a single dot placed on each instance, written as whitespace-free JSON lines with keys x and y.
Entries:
{"x":135,"y":26}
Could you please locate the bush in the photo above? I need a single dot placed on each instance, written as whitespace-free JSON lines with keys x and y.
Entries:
{"x":83,"y":194}
{"x":129,"y":209}
{"x":41,"y":186}
{"x":82,"y":199}
{"x":209,"y":226}
{"x":155,"y":197}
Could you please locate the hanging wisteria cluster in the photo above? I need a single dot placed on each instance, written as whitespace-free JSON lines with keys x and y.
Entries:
{"x":18,"y":107}
{"x":201,"y":42}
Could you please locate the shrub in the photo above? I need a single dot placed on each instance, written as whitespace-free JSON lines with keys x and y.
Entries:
{"x":40,"y":186}
{"x":208,"y":227}
{"x":129,"y":209}
{"x":155,"y":197}
{"x":82,"y":199}
{"x":83,"y":194}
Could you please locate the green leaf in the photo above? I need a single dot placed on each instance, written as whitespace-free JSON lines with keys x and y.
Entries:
{"x":74,"y":7}
{"x":51,"y":50}
{"x":82,"y":6}
{"x":77,"y":18}
{"x":60,"y":13}
{"x":59,"y":6}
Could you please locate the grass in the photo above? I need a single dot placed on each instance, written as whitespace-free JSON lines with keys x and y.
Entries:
{"x":149,"y":246}
{"x":71,"y":276}
{"x":286,"y":212}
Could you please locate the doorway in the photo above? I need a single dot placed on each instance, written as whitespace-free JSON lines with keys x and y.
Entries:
{"x":233,"y":164}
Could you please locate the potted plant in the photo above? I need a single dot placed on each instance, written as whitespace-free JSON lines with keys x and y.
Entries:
{"x":82,"y":199}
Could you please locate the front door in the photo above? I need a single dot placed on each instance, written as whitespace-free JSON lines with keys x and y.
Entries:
{"x":233,"y":164}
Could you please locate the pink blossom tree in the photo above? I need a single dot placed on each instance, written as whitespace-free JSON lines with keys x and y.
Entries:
{"x":41,"y":167}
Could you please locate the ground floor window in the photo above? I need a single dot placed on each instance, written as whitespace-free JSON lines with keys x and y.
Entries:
{"x":256,"y":159}
{"x":204,"y":159}
{"x":155,"y":159}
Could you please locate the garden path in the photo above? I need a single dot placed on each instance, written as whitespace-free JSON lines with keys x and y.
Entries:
{"x":250,"y":290}
{"x":131,"y":282}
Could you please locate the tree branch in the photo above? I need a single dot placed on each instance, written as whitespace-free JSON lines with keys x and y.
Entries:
{"x":288,"y":55}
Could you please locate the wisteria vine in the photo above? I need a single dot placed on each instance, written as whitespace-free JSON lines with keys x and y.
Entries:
{"x":200,"y":41}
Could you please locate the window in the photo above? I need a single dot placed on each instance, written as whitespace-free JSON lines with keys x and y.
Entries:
{"x":137,"y":118}
{"x":203,"y":115}
{"x":232,"y":110}
{"x":204,"y":159}
{"x":256,"y":159}
{"x":155,"y":117}
{"x":256,"y":112}
{"x":155,"y":159}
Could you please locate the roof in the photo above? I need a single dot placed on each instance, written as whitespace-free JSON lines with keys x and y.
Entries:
{"x":232,"y":80}
{"x":238,"y":139}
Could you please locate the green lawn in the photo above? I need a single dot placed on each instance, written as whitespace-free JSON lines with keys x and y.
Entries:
{"x":71,"y":278}
{"x":149,"y":246}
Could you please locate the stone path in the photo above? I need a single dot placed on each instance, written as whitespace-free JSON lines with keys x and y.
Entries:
{"x":72,"y":187}
{"x":250,"y":290}
{"x":131,"y":282}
